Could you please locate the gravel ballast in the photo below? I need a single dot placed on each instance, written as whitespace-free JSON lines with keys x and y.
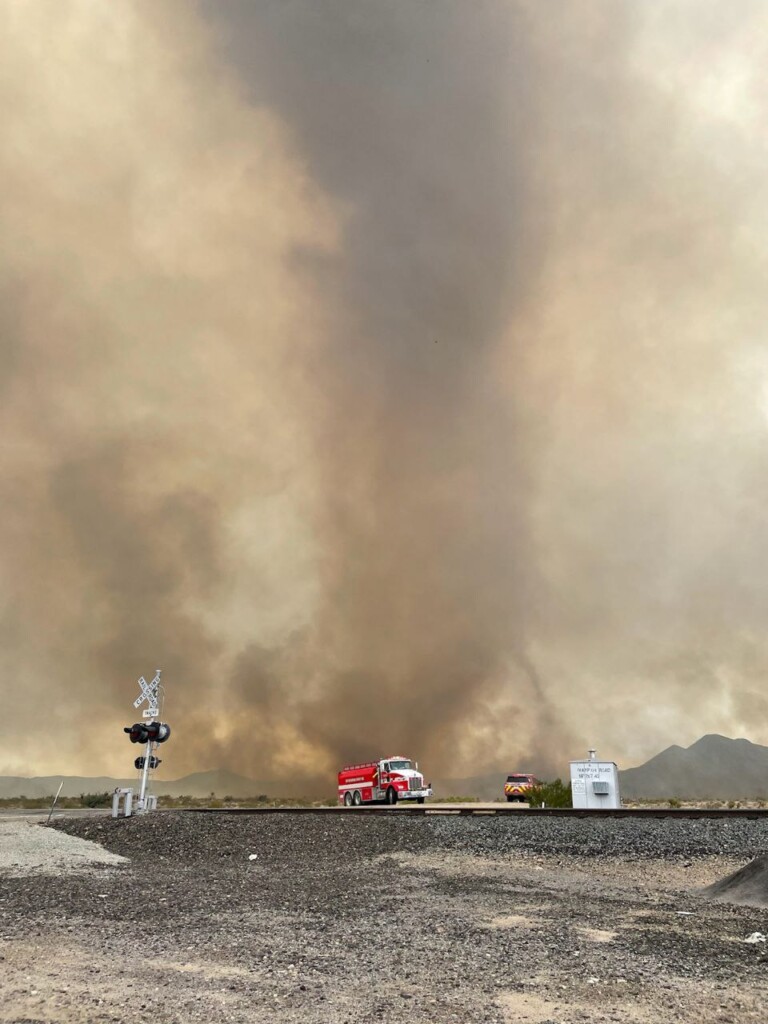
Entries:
{"x":344,"y":918}
{"x":205,"y":836}
{"x":25,"y":849}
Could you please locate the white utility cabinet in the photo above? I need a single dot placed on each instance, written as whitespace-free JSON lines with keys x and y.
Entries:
{"x":595,"y":783}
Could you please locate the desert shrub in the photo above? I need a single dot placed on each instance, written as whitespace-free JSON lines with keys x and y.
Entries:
{"x":95,"y":799}
{"x":674,"y":802}
{"x":14,"y":802}
{"x":551,"y":794}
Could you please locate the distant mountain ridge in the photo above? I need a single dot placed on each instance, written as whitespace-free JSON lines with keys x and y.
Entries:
{"x":199,"y":784}
{"x":714,"y":767}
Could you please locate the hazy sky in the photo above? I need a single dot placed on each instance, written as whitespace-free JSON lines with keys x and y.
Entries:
{"x":390,"y":373}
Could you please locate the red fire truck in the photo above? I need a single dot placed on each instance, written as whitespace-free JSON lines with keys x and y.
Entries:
{"x":385,"y":781}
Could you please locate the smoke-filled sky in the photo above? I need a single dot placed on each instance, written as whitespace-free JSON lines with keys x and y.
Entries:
{"x":392,"y":375}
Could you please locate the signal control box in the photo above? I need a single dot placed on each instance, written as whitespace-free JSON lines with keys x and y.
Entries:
{"x":595,"y":784}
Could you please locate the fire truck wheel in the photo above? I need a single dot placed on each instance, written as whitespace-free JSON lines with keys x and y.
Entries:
{"x":391,"y":795}
{"x":419,"y":799}
{"x":357,"y":799}
{"x":347,"y":799}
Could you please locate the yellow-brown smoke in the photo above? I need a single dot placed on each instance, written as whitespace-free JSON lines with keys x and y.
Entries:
{"x":393,"y":379}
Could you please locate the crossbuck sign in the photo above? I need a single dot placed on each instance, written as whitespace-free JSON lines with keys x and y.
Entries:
{"x":149,"y":693}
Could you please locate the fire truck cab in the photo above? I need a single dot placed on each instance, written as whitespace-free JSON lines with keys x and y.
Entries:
{"x":382,"y":782}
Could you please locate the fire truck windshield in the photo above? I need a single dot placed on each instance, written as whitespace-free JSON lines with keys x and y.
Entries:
{"x":397,"y":766}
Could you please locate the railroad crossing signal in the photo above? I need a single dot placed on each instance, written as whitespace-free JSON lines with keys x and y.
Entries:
{"x":151,"y":733}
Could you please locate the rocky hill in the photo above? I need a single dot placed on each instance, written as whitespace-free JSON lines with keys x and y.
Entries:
{"x":714,"y":767}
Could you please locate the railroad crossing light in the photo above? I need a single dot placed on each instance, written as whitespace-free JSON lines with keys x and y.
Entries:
{"x":141,"y":761}
{"x":137,"y":732}
{"x":158,"y":731}
{"x":140,"y":732}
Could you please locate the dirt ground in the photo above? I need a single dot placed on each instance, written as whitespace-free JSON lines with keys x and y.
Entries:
{"x":310,"y":920}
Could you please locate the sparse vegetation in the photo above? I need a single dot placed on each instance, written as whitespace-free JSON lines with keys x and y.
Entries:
{"x":261,"y":800}
{"x":169,"y":802}
{"x":551,"y":794}
{"x":31,"y":803}
{"x":674,"y":803}
{"x":95,"y":799}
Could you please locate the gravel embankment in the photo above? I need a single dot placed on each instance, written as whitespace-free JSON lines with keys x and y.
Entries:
{"x":278,"y":838}
{"x":358,"y":920}
{"x":604,"y":837}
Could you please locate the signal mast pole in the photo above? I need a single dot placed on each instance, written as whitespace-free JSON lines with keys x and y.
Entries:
{"x":145,"y":775}
{"x":150,"y":692}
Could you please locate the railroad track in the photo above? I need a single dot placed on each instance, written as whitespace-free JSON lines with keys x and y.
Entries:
{"x":467,"y":811}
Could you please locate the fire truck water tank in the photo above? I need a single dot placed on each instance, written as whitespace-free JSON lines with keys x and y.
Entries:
{"x":595,"y":783}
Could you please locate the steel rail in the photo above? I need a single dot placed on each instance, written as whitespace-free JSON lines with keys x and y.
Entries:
{"x":688,"y":813}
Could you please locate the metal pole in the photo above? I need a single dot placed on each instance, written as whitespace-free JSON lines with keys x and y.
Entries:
{"x":54,"y":801}
{"x":145,"y":774}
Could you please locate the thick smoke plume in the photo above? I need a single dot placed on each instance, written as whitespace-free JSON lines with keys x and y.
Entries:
{"x":390,"y":375}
